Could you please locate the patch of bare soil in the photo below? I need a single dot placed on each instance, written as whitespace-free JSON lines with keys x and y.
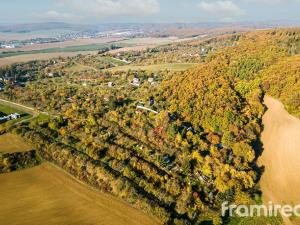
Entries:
{"x":49,"y":196}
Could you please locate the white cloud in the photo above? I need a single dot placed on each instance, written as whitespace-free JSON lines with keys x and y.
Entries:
{"x":271,"y":1}
{"x":53,"y":15}
{"x":221,"y":8}
{"x":103,"y":8}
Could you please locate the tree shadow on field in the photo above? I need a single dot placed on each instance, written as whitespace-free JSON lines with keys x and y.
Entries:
{"x":259,"y":148}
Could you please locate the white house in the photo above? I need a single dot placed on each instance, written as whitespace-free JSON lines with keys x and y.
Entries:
{"x":151,"y":80}
{"x":136,"y":82}
{"x":13,"y":116}
{"x":8,"y":46}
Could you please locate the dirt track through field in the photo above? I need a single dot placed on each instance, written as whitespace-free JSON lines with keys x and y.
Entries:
{"x":46,"y":195}
{"x":281,"y":156}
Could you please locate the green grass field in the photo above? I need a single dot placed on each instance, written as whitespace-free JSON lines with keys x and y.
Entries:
{"x":256,"y":221}
{"x":157,"y":67}
{"x":81,"y":48}
{"x":7,"y":110}
{"x":101,"y":59}
{"x":41,"y":118}
{"x":112,"y":60}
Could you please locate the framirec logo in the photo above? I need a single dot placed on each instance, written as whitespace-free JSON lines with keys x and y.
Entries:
{"x":260,"y":210}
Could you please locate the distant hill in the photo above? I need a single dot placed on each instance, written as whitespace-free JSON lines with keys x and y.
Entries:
{"x":29,"y":27}
{"x":154,"y":28}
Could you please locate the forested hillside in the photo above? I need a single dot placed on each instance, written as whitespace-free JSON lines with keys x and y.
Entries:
{"x":176,"y":145}
{"x":282,"y":81}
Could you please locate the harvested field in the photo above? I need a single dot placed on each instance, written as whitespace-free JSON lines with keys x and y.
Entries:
{"x":75,"y":47}
{"x":40,"y":56}
{"x":49,"y":196}
{"x":77,"y":42}
{"x":10,"y":143}
{"x":280,"y":182}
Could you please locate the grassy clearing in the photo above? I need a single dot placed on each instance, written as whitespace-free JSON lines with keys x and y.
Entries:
{"x":112,"y":60}
{"x":256,"y":221}
{"x":10,"y":143}
{"x":47,"y":195}
{"x":158,"y":67}
{"x":15,"y":107}
{"x":41,"y":118}
{"x":8,"y":110}
{"x":79,"y":68}
{"x":102,"y":60}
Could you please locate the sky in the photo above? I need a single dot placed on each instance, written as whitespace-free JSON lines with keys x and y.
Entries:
{"x":148,"y":11}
